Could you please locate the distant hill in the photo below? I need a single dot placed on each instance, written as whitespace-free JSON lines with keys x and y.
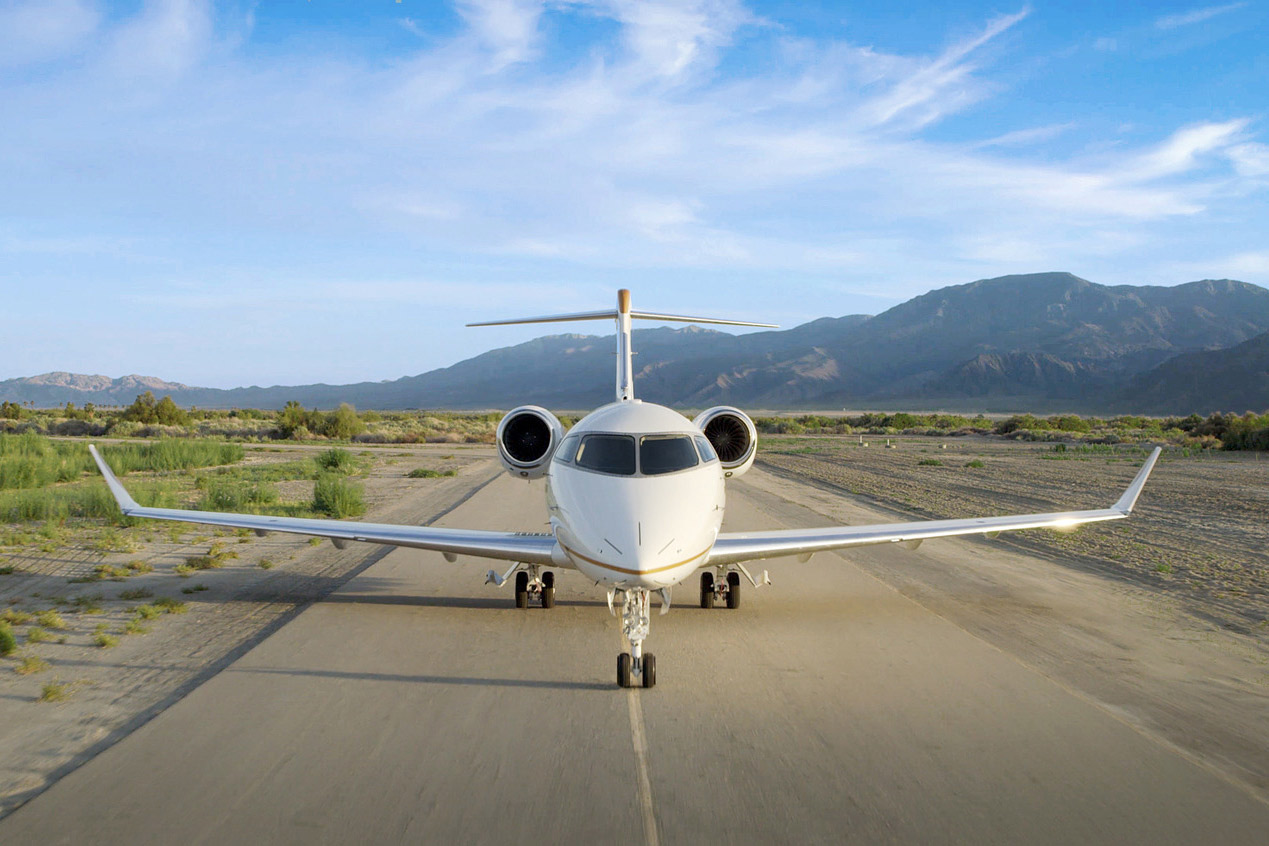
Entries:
{"x":1045,"y":341}
{"x":50,"y":389}
{"x":1235,"y":379}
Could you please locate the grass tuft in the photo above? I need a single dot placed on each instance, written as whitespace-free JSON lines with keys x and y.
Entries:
{"x":30,"y":665}
{"x":425,"y":473}
{"x":8,"y":643}
{"x":136,"y":593}
{"x":55,"y":691}
{"x":51,"y":620}
{"x":105,"y":641}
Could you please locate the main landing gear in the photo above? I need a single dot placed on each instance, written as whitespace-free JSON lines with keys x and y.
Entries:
{"x":635,"y":668}
{"x":531,"y":585}
{"x":726,"y":587}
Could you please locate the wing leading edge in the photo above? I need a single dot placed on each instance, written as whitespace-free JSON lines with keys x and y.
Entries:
{"x":733,"y":547}
{"x":512,"y":546}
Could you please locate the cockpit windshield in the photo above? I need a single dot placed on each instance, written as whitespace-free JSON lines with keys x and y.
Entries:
{"x":607,"y":454}
{"x":666,"y":453}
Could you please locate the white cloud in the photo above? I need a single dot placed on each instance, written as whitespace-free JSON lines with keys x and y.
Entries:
{"x":669,"y":38}
{"x":508,"y":28}
{"x":1195,"y":16}
{"x":1181,"y":152}
{"x":41,"y":31}
{"x":936,"y":88}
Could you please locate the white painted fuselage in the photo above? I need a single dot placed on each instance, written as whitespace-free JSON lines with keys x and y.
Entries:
{"x":638,"y":530}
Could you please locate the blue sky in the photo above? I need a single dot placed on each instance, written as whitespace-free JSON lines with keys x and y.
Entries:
{"x":286,"y":192}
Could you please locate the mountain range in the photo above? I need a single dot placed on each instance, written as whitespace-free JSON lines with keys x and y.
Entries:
{"x":1036,"y":342}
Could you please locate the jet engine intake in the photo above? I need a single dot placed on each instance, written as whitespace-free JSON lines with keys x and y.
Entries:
{"x":527,"y":437}
{"x":732,"y":435}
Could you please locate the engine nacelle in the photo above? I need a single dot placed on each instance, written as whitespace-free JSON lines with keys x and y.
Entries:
{"x":732,"y":435}
{"x":527,"y":438}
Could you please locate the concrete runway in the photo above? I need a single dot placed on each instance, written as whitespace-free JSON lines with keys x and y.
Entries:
{"x":417,"y":705}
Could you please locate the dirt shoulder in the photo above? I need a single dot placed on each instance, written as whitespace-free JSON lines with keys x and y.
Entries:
{"x":204,"y":620}
{"x":1199,"y":534}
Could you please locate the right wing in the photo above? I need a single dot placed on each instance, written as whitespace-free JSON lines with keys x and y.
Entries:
{"x":511,"y":546}
{"x":735,"y":547}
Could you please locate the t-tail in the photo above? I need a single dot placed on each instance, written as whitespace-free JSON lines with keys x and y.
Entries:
{"x":623,"y":314}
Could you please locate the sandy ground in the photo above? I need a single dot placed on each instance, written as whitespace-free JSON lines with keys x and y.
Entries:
{"x":1200,"y":533}
{"x":963,"y":692}
{"x":112,"y":691}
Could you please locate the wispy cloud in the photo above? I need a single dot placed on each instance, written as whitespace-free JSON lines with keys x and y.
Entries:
{"x":483,"y":157}
{"x":1195,"y":16}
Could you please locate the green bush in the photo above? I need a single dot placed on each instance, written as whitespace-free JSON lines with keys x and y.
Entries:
{"x":337,"y":497}
{"x":337,"y":460}
{"x":425,"y":473}
{"x":343,"y":424}
{"x":8,"y":643}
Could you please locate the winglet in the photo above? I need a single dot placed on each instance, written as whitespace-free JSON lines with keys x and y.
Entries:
{"x":1129,"y":499}
{"x":126,"y":503}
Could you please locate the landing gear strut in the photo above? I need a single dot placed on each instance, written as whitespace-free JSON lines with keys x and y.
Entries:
{"x":635,"y":667}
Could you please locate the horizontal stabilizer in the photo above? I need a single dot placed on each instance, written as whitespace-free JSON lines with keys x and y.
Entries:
{"x":614,"y":314}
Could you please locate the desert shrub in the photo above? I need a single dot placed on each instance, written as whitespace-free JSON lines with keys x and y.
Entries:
{"x":425,"y":473}
{"x":337,"y":497}
{"x":343,"y":423}
{"x":337,"y":460}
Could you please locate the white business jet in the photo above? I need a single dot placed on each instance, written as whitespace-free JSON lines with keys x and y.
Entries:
{"x":635,"y":493}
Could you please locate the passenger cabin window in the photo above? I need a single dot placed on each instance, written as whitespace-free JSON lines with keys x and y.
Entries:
{"x":566,"y":450}
{"x":666,"y":453}
{"x":705,"y":448}
{"x":608,"y":454}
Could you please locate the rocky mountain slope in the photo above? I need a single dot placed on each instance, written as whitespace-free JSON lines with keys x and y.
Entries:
{"x":1045,"y":341}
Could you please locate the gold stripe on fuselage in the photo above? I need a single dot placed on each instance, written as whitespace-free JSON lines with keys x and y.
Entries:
{"x":608,"y":566}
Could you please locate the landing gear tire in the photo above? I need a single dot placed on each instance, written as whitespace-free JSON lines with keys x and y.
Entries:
{"x":649,"y":670}
{"x":733,"y":590}
{"x":548,"y":590}
{"x":522,"y":589}
{"x":624,"y":665}
{"x":707,"y":590}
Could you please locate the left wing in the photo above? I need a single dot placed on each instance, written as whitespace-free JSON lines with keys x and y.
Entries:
{"x":733,"y":547}
{"x":511,"y":546}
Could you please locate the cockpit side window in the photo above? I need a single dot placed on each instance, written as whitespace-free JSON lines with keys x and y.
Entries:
{"x":608,"y":454}
{"x":705,"y":448}
{"x":567,"y":448}
{"x":666,"y":454}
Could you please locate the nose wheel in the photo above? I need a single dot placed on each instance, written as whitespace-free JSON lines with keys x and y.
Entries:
{"x":635,"y":668}
{"x":644,"y":675}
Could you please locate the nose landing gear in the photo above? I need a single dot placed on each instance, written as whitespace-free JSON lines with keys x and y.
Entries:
{"x":635,"y":668}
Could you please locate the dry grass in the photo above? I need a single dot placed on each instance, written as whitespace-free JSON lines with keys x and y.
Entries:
{"x":31,"y":664}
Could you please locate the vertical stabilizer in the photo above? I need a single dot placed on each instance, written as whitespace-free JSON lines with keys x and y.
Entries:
{"x":625,"y":356}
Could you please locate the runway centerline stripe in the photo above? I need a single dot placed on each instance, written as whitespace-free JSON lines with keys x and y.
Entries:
{"x":638,"y":736}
